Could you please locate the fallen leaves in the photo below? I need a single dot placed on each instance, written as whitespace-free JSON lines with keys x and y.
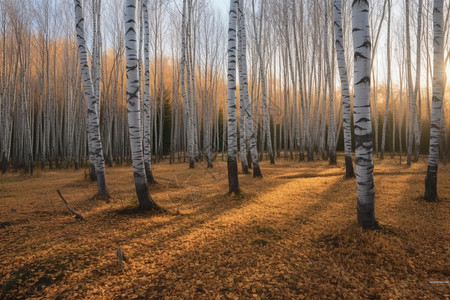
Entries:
{"x":289,"y":236}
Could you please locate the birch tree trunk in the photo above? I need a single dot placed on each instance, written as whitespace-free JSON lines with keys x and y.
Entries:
{"x":362,"y":118}
{"x":94,"y":128}
{"x":436,"y":105}
{"x":417,"y":85}
{"x":329,"y":76}
{"x":388,"y":85}
{"x":266,"y":121}
{"x":345,"y":93}
{"x":233,"y":180}
{"x":244,"y":95}
{"x":134,"y":109}
{"x":412,"y":106}
{"x":147,"y":119}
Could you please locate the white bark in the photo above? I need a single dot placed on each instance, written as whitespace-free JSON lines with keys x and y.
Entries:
{"x":362,"y":118}
{"x":233,"y":180}
{"x":244,"y":95}
{"x":93,"y":118}
{"x":134,"y":108}
{"x":436,"y":105}
{"x":345,"y":93}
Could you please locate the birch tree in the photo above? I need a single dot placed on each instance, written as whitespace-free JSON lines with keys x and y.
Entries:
{"x":345,"y":93}
{"x":388,"y":84}
{"x":94,"y":129}
{"x":243,"y":93}
{"x":233,"y":180}
{"x":147,"y":106}
{"x":436,"y":105}
{"x":262,"y":75}
{"x":362,"y":118}
{"x":134,"y":108}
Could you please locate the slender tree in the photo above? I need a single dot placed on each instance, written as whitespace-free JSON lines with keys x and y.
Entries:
{"x":438,"y":76}
{"x":388,"y":84}
{"x":147,"y":105}
{"x":134,"y":108}
{"x":244,"y":95}
{"x":93,"y":118}
{"x":362,"y":118}
{"x":233,"y":180}
{"x":345,"y":93}
{"x":262,"y":75}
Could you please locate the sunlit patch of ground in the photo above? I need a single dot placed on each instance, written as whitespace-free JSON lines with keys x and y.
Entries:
{"x":290,"y":235}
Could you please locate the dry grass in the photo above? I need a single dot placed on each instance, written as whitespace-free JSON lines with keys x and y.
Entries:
{"x":291,"y":235}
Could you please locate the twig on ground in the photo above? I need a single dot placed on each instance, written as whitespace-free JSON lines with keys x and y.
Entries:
{"x":120,"y":258}
{"x":78,"y":216}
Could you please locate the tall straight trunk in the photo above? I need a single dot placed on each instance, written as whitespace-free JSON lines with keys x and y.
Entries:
{"x":94,"y":128}
{"x":330,"y":79}
{"x":233,"y":180}
{"x":147,"y":105}
{"x":345,"y":93}
{"x":362,"y":118}
{"x":266,"y":122}
{"x":412,"y":104}
{"x":134,"y":108}
{"x":417,"y":85}
{"x":244,"y":95}
{"x":185,"y":95}
{"x":400,"y":119}
{"x":438,"y":76}
{"x":388,"y":85}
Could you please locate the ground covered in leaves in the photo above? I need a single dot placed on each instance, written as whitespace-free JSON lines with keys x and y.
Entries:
{"x":290,"y":235}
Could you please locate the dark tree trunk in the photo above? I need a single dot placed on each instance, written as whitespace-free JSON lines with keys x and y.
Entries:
{"x":332,"y":157}
{"x":233,"y":183}
{"x":149,"y":174}
{"x":366,"y":217}
{"x":257,"y":171}
{"x":244,"y":168}
{"x":431,"y":184}
{"x":349,"y":167}
{"x":146,"y":202}
{"x":102,"y":189}
{"x":93,"y":175}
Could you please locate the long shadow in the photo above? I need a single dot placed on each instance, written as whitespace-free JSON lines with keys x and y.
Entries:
{"x":207,"y":210}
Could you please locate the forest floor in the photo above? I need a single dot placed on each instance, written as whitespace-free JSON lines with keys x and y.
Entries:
{"x":290,"y":235}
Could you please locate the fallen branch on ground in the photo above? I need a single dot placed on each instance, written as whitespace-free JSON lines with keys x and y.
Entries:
{"x":120,"y":258}
{"x":78,"y":216}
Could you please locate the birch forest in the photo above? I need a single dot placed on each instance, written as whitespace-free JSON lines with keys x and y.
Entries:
{"x":183,"y":111}
{"x":294,"y":80}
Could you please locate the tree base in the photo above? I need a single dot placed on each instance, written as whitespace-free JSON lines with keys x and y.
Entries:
{"x":244,"y":168}
{"x":272,"y":159}
{"x":333,"y":159}
{"x":257,"y":171}
{"x":146,"y":202}
{"x":149,"y":174}
{"x":4,"y":164}
{"x":191,"y":163}
{"x":366,"y":216}
{"x":349,"y":173}
{"x":233,"y":179}
{"x":102,"y":188}
{"x":431,"y":184}
{"x":310,"y":155}
{"x":92,"y":174}
{"x":210,"y":164}
{"x":249,"y":160}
